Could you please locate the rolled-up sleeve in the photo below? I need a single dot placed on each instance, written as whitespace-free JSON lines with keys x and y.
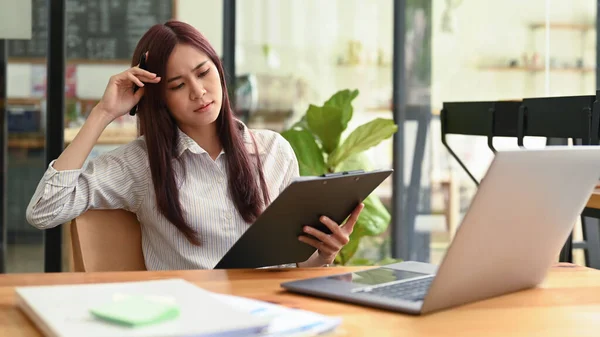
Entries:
{"x":114,"y":180}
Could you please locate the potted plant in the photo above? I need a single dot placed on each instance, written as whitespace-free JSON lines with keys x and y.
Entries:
{"x":316,"y":140}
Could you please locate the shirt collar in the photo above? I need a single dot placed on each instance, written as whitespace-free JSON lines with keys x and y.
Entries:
{"x":185,"y":142}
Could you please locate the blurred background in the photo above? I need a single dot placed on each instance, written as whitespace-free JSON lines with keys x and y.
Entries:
{"x":283,"y":55}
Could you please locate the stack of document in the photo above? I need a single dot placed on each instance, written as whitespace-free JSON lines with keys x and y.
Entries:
{"x":172,"y":307}
{"x":285,"y":321}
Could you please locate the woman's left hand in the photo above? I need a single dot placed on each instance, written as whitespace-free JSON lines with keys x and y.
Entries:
{"x":329,"y":245}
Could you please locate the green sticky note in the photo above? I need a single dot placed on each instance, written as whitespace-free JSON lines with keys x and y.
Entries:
{"x":136,"y":311}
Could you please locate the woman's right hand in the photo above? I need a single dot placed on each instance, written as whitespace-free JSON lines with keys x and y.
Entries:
{"x":118,"y":97}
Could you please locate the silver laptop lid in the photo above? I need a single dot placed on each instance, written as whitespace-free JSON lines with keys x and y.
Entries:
{"x":521,"y":216}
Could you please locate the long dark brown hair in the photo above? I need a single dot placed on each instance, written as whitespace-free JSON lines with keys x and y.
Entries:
{"x":159,"y":129}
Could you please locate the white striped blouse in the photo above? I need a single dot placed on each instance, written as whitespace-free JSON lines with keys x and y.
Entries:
{"x":120,"y":179}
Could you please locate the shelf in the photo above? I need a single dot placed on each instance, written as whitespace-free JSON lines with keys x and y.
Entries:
{"x":563,"y":26}
{"x":35,"y":142}
{"x":538,"y":69}
{"x":75,"y":61}
{"x":111,"y":136}
{"x":24,"y":101}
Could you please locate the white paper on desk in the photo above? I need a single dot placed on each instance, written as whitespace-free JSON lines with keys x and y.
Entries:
{"x":63,"y":310}
{"x":284,"y":321}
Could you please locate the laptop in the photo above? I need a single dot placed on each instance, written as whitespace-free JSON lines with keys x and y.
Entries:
{"x":521,"y":216}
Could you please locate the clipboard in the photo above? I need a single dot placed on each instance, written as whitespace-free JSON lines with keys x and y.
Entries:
{"x":273,"y":238}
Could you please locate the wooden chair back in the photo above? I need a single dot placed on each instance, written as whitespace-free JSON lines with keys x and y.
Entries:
{"x":107,"y":240}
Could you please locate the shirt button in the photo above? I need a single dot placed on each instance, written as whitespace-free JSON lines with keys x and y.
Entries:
{"x":221,"y":179}
{"x":228,"y":216}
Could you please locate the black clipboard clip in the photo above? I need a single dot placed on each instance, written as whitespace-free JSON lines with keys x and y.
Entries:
{"x":344,"y":173}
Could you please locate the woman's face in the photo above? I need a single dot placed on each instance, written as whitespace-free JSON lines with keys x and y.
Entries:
{"x":193,"y":85}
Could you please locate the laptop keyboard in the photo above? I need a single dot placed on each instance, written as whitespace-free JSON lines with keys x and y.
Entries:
{"x":409,"y":291}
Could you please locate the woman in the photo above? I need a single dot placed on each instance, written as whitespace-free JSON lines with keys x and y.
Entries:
{"x":196,"y":177}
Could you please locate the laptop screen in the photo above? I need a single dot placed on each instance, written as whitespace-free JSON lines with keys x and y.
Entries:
{"x":377,"y":276}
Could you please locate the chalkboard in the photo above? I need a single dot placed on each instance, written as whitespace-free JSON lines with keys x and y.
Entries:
{"x":95,"y":29}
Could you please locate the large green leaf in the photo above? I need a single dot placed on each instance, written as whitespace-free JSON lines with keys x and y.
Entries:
{"x":357,"y":161}
{"x":362,"y":138}
{"x":343,"y":100}
{"x":374,"y":218}
{"x":308,"y":153}
{"x":302,"y":124}
{"x":388,"y":260}
{"x":361,"y":261}
{"x":326,"y":123}
{"x":351,"y":247}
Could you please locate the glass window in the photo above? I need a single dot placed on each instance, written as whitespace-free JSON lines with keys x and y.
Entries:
{"x":501,"y":50}
{"x":294,"y":54}
{"x":100,"y":38}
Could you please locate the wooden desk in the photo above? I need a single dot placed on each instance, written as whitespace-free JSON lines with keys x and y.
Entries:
{"x":594,"y":201}
{"x":567,"y":304}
